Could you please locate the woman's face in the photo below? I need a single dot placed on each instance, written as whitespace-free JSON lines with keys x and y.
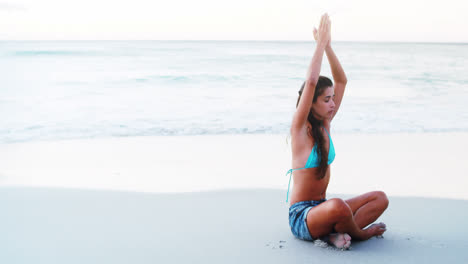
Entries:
{"x":324,"y":107}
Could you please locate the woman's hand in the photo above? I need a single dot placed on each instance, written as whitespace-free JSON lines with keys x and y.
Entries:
{"x":323,"y":35}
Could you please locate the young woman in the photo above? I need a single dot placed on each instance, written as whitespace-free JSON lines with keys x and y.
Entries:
{"x":311,"y":215}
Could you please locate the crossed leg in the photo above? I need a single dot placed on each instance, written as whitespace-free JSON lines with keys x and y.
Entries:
{"x":367,"y":207}
{"x":348,"y":217}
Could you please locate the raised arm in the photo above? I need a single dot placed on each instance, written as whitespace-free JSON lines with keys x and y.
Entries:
{"x":313,"y":72}
{"x":339,"y":76}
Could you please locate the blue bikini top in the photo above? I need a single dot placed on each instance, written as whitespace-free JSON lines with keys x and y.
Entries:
{"x":314,"y":160}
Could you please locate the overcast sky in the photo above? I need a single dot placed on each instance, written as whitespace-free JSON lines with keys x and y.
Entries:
{"x":352,"y":20}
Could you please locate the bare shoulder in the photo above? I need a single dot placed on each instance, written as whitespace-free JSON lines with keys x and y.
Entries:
{"x":298,"y":134}
{"x":299,"y":138}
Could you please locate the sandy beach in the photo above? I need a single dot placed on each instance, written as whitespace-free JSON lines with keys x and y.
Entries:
{"x":43,"y":225}
{"x":222,"y":199}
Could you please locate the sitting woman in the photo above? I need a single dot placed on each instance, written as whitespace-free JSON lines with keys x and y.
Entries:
{"x":311,"y":215}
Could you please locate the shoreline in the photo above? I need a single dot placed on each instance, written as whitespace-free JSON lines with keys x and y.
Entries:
{"x":413,"y":165}
{"x":254,"y":134}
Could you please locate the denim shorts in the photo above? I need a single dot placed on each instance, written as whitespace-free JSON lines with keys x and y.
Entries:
{"x":298,"y":218}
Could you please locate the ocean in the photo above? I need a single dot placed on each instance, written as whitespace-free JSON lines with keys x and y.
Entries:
{"x":53,"y":90}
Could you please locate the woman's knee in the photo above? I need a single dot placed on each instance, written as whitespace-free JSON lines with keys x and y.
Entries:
{"x":382,"y":199}
{"x":339,"y":208}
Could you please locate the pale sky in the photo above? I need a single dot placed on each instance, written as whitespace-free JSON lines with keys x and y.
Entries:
{"x":352,"y":20}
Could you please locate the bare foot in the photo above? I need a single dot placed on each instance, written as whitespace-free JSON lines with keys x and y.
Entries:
{"x":339,"y":240}
{"x":375,"y":230}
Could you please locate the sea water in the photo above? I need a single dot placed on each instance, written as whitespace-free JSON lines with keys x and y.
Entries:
{"x":53,"y":90}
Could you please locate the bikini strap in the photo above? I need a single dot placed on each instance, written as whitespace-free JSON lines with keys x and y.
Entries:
{"x":290,"y":175}
{"x":326,"y":131}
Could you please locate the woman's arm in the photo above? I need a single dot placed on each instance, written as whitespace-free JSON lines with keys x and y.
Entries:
{"x":313,"y":72}
{"x":339,"y":76}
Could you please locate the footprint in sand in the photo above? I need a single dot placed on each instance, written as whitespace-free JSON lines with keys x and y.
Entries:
{"x":279,"y":245}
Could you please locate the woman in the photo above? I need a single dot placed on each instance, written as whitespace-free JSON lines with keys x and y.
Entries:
{"x":311,"y":216}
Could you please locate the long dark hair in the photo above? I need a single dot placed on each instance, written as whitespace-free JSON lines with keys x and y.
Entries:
{"x":315,"y":131}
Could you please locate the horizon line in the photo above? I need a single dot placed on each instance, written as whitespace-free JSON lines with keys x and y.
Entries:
{"x":248,"y":40}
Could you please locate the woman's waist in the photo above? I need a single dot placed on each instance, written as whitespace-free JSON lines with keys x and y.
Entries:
{"x":300,"y":194}
{"x":311,"y":185}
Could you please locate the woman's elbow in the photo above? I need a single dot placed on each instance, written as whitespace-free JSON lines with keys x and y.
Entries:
{"x":341,"y":82}
{"x":311,"y":81}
